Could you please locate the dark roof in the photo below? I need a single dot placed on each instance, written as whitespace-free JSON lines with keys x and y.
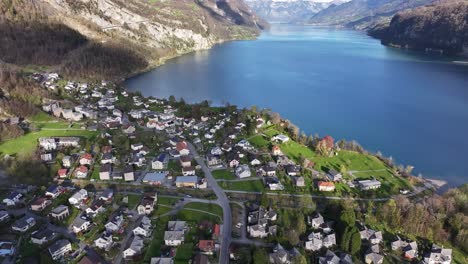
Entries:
{"x":58,"y":245}
{"x":43,"y":233}
{"x":105,"y":168}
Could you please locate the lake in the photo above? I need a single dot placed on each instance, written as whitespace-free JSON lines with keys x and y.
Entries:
{"x":411,"y":106}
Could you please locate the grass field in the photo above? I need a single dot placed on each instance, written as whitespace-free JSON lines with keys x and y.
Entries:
{"x":167,"y":200}
{"x":212,"y":208}
{"x":223,"y":175}
{"x":197,"y":217}
{"x":41,"y":117}
{"x":259,"y":141}
{"x":251,"y":186}
{"x":53,"y":125}
{"x":157,"y":241}
{"x":26,"y":144}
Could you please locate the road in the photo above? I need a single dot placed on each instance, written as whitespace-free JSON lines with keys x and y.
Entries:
{"x":222,"y":201}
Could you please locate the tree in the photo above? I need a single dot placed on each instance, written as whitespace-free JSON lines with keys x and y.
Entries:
{"x":345,"y":238}
{"x":355,"y":243}
{"x":299,"y":259}
{"x":307,"y":203}
{"x":275,"y":118}
{"x":292,"y":236}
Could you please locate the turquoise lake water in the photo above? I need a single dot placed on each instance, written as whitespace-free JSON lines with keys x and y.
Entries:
{"x":411,"y":106}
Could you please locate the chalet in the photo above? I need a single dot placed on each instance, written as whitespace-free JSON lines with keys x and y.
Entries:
{"x":318,"y":240}
{"x":260,"y":223}
{"x":373,"y":255}
{"x":129,"y":174}
{"x":77,"y":198}
{"x":186,"y":181}
{"x":332,"y":258}
{"x":24,"y":224}
{"x":438,"y":255}
{"x":80,"y":224}
{"x":409,"y":249}
{"x":213,"y":160}
{"x":334,"y":176}
{"x":147,"y":204}
{"x":243,"y":171}
{"x":60,"y":212}
{"x":144,"y":229}
{"x":40,"y":203}
{"x":207,"y":246}
{"x":369,"y":184}
{"x":42,"y":236}
{"x":54,"y":191}
{"x":59,"y":249}
{"x":254,"y":160}
{"x":155,"y":178}
{"x":173,"y":238}
{"x":81,"y":172}
{"x":105,"y":172}
{"x":86,"y":159}
{"x":276,"y":151}
{"x":326,"y":186}
{"x":160,"y":162}
{"x":185,"y":161}
{"x":135,"y":247}
{"x":12,"y":199}
{"x":273,"y":183}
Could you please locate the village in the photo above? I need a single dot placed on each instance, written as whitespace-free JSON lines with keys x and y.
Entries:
{"x":146,"y":180}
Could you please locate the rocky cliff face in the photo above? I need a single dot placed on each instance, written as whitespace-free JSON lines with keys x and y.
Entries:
{"x":363,"y":14}
{"x":145,"y":33}
{"x":290,"y":11}
{"x":440,"y":27}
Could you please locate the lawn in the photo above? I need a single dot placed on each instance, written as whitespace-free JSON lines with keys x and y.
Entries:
{"x":259,"y":141}
{"x":223,"y":175}
{"x":184,"y":253}
{"x":207,"y":207}
{"x":26,"y":144}
{"x":250,"y":186}
{"x":197,"y":217}
{"x":154,"y":249}
{"x":41,"y":117}
{"x":95,"y":174}
{"x":167,"y":200}
{"x":53,"y":125}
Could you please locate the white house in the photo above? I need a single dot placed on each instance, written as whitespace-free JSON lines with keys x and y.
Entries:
{"x":243,"y":171}
{"x":12,"y":199}
{"x":59,"y":249}
{"x":77,"y":198}
{"x":173,"y":238}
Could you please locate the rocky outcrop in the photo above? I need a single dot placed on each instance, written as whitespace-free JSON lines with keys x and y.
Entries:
{"x":145,"y":33}
{"x":440,"y":28}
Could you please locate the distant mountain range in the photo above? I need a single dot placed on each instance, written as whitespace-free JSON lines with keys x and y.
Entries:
{"x":290,"y":11}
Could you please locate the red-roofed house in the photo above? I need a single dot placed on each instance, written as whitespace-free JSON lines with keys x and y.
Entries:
{"x":86,"y":159}
{"x":216,"y":231}
{"x":182,"y":148}
{"x":325,"y":186}
{"x":62,"y":173}
{"x":81,"y":172}
{"x":207,"y":246}
{"x":276,"y":150}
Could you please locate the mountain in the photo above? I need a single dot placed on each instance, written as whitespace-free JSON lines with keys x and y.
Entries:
{"x":289,"y":11}
{"x":97,"y":39}
{"x":442,"y":27}
{"x":363,"y":14}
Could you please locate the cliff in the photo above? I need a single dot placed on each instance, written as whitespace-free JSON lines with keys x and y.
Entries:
{"x":98,"y":39}
{"x":441,"y":27}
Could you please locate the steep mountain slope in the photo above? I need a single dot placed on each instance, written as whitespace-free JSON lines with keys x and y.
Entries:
{"x":442,"y":27}
{"x":362,"y":14}
{"x":289,"y":11}
{"x":114,"y":38}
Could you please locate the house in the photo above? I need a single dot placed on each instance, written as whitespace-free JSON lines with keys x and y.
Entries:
{"x":53,"y":191}
{"x":81,"y":172}
{"x":107,"y":158}
{"x":105,"y":172}
{"x":129,"y":129}
{"x":144,"y":229}
{"x":160,"y":162}
{"x":60,"y":212}
{"x":273,"y":183}
{"x":59,"y":249}
{"x":6,"y":248}
{"x":182,"y":148}
{"x":207,"y":246}
{"x":115,"y":224}
{"x":173,"y":238}
{"x":213,"y":160}
{"x":77,"y":198}
{"x":24,"y":224}
{"x":318,"y":240}
{"x":334,"y":176}
{"x":4,"y":216}
{"x":177,"y":226}
{"x":80,"y":224}
{"x":299,"y":181}
{"x":276,"y":151}
{"x":438,"y":255}
{"x":40,"y":204}
{"x":315,"y":221}
{"x":136,"y":146}
{"x":86,"y":159}
{"x":233,"y":159}
{"x":42,"y":236}
{"x":96,"y":207}
{"x":135,"y":247}
{"x":260,"y":223}
{"x":129,"y":174}
{"x":186,"y":181}
{"x":369,"y":184}
{"x":292,"y":170}
{"x":162,"y":260}
{"x":280,"y":138}
{"x":373,"y":256}
{"x":67,"y":161}
{"x":243,"y":171}
{"x":409,"y":249}
{"x":188,"y":171}
{"x":326,"y":186}
{"x":147,"y":204}
{"x":254,"y":160}
{"x":62,"y":173}
{"x":46,"y":157}
{"x":282,"y":256}
{"x":104,"y":242}
{"x":374,"y":237}
{"x":155,"y":178}
{"x":185,"y":161}
{"x":107,"y":195}
{"x":332,"y":258}
{"x":12,"y":199}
